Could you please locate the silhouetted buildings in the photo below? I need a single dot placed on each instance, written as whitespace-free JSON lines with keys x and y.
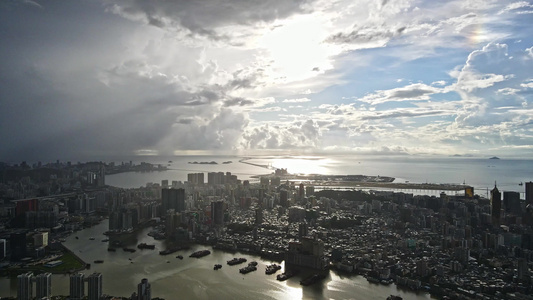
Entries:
{"x":529,"y":192}
{"x":196,"y":178}
{"x":217,"y":212}
{"x":308,"y":253}
{"x":511,"y":203}
{"x":173,"y":199}
{"x":495,"y":205}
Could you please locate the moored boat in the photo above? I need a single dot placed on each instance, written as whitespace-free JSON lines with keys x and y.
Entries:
{"x":271,"y":269}
{"x":146,"y":246}
{"x":200,"y":253}
{"x":236,"y":261}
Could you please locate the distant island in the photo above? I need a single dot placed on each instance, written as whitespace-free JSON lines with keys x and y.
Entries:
{"x":494,"y":157}
{"x":204,"y":163}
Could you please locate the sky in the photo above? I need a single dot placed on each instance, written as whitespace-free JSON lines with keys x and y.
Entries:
{"x":95,"y":79}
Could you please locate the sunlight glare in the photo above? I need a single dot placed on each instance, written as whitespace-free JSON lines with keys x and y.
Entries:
{"x":296,"y":48}
{"x":308,"y":165}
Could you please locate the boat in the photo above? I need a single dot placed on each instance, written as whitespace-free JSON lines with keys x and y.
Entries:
{"x":179,"y":256}
{"x":271,"y":269}
{"x":131,"y":250}
{"x":105,"y":240}
{"x":236,"y":261}
{"x":77,"y":238}
{"x":111,"y":249}
{"x":146,"y":246}
{"x":372,"y":279}
{"x":249,"y":268}
{"x":98,"y":261}
{"x":217,"y":266}
{"x":521,"y":184}
{"x":386,"y":281}
{"x":312,"y":279}
{"x":286,"y":275}
{"x":394,"y":297}
{"x":200,"y":253}
{"x":252,"y":263}
{"x":91,"y":238}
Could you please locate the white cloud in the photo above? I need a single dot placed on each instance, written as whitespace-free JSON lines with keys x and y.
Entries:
{"x":412,"y":92}
{"x":299,"y":100}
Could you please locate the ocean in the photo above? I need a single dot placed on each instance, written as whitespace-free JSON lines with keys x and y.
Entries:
{"x":481,"y":173}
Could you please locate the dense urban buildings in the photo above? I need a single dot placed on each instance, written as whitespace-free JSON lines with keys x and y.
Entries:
{"x":446,"y":244}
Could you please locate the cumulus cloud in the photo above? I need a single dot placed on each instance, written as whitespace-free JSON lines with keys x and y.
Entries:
{"x":155,"y":77}
{"x":292,"y":135}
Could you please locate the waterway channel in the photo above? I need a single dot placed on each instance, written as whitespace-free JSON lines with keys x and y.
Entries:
{"x":191,"y":278}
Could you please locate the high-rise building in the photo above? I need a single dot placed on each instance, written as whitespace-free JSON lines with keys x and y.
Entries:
{"x":43,"y":285}
{"x":309,"y":190}
{"x":94,"y":286}
{"x":3,"y":252}
{"x":77,"y":286}
{"x":217,"y":212}
{"x":18,"y":244}
{"x":144,"y":291}
{"x":511,"y":202}
{"x":529,"y":192}
{"x":25,"y":286}
{"x":495,"y":205}
{"x":173,"y":199}
{"x":284,"y":198}
{"x":195,"y":178}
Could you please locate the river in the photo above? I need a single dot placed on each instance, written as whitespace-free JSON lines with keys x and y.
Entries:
{"x":191,"y":278}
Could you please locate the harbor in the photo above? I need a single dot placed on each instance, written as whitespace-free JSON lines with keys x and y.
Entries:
{"x":195,"y":278}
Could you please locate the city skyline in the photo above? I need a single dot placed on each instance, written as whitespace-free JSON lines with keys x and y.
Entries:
{"x":96,"y":79}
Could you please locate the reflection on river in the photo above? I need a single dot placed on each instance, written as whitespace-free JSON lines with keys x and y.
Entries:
{"x":191,"y":278}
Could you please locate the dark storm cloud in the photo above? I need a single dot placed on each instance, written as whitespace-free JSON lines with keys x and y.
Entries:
{"x":72,"y":88}
{"x":202,"y":17}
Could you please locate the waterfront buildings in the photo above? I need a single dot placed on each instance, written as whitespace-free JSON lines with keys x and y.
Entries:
{"x":25,"y":286}
{"x":144,"y":290}
{"x":196,"y":178}
{"x":307,"y":253}
{"x":94,"y":286}
{"x":43,"y":285}
{"x":77,"y":286}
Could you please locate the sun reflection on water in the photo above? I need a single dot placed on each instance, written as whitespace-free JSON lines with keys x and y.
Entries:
{"x":303,"y":164}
